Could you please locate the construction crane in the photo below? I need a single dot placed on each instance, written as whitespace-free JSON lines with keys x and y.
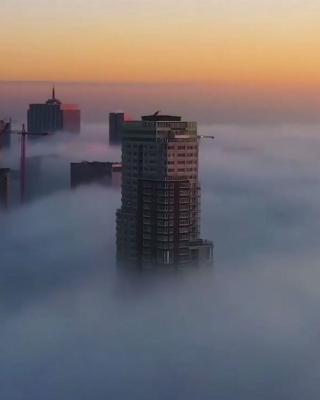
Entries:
{"x":23,"y":133}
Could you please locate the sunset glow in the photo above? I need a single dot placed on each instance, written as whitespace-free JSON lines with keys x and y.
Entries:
{"x":141,"y":41}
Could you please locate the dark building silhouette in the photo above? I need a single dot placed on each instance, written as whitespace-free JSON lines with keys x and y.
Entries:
{"x":159,"y":220}
{"x":104,"y":173}
{"x":116,"y":121}
{"x":5,"y":137}
{"x":53,"y":116}
{"x":47,"y":117}
{"x":4,"y":187}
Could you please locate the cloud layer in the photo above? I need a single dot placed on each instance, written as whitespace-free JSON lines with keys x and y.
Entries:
{"x":74,"y":327}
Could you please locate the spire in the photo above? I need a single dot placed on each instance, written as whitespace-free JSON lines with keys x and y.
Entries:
{"x":53,"y":100}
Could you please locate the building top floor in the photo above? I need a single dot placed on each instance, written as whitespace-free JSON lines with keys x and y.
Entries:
{"x":159,"y":128}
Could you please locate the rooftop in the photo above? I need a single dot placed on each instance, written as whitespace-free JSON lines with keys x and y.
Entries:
{"x":160,"y":117}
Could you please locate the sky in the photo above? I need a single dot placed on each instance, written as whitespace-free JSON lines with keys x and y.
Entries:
{"x":265,"y":43}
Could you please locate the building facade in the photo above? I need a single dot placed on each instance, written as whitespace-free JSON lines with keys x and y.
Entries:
{"x":116,"y":121}
{"x":159,"y":220}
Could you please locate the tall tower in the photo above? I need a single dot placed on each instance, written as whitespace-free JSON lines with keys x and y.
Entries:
{"x":53,"y":116}
{"x":159,"y":220}
{"x":116,"y":120}
{"x":45,"y":117}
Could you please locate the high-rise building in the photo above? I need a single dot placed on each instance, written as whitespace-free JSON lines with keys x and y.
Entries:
{"x":47,"y":117}
{"x":159,"y":219}
{"x":53,"y":116}
{"x":4,"y":187}
{"x":116,"y":121}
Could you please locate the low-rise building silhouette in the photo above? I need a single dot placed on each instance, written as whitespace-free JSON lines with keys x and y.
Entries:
{"x":103,"y":173}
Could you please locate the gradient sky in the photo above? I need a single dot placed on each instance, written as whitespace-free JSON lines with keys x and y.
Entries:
{"x":259,"y":41}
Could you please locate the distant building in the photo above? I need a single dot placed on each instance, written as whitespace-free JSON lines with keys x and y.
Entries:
{"x":116,"y":121}
{"x":53,"y":116}
{"x":104,"y":173}
{"x":47,"y":117}
{"x":158,"y":223}
{"x":5,"y":137}
{"x":71,"y":118}
{"x":4,"y":187}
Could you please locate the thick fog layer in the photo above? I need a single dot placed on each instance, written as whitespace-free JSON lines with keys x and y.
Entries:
{"x":75,"y":327}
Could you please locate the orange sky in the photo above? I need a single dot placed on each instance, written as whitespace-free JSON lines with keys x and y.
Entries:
{"x":274,"y":42}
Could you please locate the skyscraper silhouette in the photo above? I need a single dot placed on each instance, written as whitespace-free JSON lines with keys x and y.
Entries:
{"x":53,"y":116}
{"x":159,"y":220}
{"x":46,"y":117}
{"x":116,"y":120}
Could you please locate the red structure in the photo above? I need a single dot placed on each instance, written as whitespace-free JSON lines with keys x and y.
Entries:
{"x":71,"y":117}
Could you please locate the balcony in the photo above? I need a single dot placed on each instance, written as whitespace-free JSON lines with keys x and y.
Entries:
{"x":184,"y":215}
{"x":184,"y":244}
{"x":162,"y":202}
{"x":165,"y":239}
{"x":184,"y":223}
{"x":165,"y":231}
{"x":164,"y":246}
{"x":165,"y":222}
{"x":165,"y":209}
